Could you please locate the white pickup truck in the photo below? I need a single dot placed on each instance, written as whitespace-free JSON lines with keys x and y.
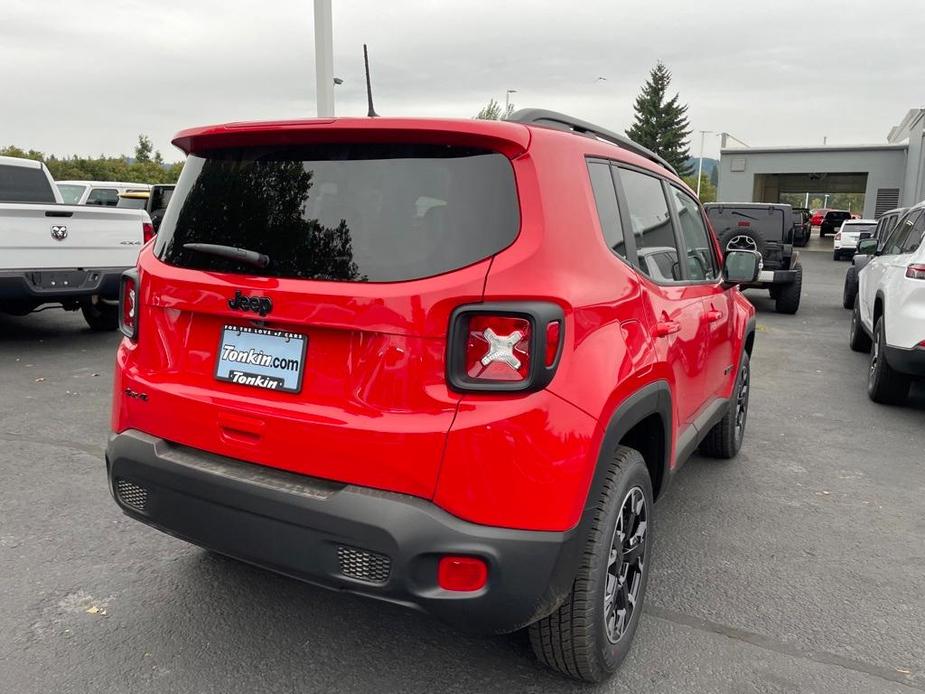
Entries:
{"x":52,"y":253}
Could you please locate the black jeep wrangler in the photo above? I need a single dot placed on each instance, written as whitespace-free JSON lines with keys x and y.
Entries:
{"x":769,"y":229}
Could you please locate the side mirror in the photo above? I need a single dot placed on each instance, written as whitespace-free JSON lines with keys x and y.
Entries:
{"x":742,"y":267}
{"x":867,"y":247}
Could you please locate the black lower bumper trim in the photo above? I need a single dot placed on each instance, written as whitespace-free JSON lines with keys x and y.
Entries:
{"x":50,"y":286}
{"x":907,"y":361}
{"x":303,"y":527}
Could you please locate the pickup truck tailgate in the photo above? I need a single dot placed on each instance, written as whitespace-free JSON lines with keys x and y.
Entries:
{"x":69,"y":236}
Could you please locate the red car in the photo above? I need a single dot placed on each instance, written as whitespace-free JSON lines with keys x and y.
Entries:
{"x":443,"y":363}
{"x":817,"y":216}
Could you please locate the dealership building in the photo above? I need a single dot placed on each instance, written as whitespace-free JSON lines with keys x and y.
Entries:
{"x":889,"y":175}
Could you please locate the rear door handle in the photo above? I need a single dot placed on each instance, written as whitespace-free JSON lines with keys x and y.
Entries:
{"x":713,"y":315}
{"x":666,"y":327}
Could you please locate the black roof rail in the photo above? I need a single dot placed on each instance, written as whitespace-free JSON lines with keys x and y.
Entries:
{"x":560,"y":121}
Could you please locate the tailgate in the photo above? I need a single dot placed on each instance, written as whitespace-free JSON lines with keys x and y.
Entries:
{"x":34,"y":236}
{"x":369,"y":404}
{"x":327,"y":357}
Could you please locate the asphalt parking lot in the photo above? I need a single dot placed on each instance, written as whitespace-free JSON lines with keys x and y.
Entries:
{"x":800,"y":566}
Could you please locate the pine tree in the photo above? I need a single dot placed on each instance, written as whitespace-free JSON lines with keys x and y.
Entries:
{"x":495,"y":111}
{"x":661,"y":125}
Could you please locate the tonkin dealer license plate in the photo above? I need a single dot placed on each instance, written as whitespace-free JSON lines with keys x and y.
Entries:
{"x":269,"y":359}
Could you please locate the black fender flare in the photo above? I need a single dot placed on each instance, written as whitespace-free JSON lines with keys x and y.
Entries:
{"x":653,"y":398}
{"x":748,"y":336}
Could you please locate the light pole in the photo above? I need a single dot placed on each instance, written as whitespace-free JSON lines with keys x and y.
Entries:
{"x":703,"y":134}
{"x":507,"y":100}
{"x":324,"y":59}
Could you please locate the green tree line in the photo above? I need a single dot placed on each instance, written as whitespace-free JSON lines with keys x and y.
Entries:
{"x":146,"y":166}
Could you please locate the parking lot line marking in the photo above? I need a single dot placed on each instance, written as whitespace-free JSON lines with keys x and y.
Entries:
{"x":789,"y":649}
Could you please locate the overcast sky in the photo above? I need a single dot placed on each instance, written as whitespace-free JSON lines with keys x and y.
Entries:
{"x":86,"y":77}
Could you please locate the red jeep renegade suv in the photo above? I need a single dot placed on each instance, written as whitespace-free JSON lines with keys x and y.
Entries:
{"x":443,"y":363}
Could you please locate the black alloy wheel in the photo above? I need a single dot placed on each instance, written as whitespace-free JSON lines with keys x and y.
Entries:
{"x":626,"y":564}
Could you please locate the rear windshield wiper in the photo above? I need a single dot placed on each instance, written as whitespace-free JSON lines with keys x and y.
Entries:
{"x":242,"y":255}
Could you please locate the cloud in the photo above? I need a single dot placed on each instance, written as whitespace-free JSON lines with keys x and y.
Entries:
{"x":88,"y":77}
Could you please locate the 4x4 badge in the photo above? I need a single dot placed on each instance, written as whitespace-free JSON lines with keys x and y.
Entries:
{"x":258,"y":304}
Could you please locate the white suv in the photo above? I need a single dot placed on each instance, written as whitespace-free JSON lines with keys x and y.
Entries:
{"x":889,"y":312}
{"x":846,"y":239}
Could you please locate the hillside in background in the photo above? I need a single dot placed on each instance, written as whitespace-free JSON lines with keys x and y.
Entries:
{"x":708,"y":165}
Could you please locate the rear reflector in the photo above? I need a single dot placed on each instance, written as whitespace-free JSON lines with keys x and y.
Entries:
{"x":553,"y":332}
{"x":916,"y":271}
{"x":744,"y":224}
{"x":462,"y":574}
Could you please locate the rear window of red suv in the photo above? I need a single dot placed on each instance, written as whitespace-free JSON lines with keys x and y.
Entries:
{"x":343,"y":212}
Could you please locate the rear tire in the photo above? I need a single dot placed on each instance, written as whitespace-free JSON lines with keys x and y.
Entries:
{"x":851,"y":287}
{"x":788,"y":297}
{"x":858,"y":340}
{"x":724,"y":440}
{"x":884,"y":384}
{"x":591,"y":632}
{"x":99,"y":316}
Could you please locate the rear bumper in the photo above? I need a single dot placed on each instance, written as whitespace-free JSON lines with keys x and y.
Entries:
{"x":48,"y":286}
{"x":378,"y":544}
{"x":767,"y":277}
{"x":907,"y":361}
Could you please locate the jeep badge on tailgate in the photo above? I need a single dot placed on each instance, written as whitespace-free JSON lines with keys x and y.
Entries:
{"x":258,"y":304}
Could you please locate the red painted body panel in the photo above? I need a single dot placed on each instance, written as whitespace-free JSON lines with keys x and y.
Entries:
{"x":518,"y":462}
{"x":375,"y":409}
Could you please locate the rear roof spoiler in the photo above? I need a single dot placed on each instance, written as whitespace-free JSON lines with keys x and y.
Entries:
{"x":508,"y":138}
{"x":560,"y":121}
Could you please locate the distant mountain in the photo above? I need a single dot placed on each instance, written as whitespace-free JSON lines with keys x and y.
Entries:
{"x":708,"y":165}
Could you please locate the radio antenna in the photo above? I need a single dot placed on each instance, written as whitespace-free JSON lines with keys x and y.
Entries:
{"x":371,"y":113}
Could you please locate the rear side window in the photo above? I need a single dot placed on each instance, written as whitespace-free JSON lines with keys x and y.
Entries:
{"x":608,"y":211}
{"x":24,"y":184}
{"x":656,"y":247}
{"x":914,"y":239}
{"x":70,"y":194}
{"x":106,"y":197}
{"x":700,"y":262}
{"x":888,"y":225}
{"x":132,"y":203}
{"x":344,"y":212}
{"x":899,"y":236}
